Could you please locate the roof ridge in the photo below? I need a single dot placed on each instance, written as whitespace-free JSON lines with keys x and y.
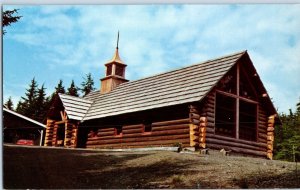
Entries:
{"x":185,"y":67}
{"x":162,"y":73}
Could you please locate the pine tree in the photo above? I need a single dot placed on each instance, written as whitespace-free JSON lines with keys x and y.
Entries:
{"x":8,"y":18}
{"x":28,"y":104}
{"x":9,"y":104}
{"x":87,"y":84}
{"x":72,"y":90}
{"x":41,"y":104}
{"x":60,"y":88}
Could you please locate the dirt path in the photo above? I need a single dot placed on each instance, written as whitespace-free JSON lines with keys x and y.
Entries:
{"x":60,"y":168}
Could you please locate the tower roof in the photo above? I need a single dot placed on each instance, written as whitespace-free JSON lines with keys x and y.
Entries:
{"x":116,"y":58}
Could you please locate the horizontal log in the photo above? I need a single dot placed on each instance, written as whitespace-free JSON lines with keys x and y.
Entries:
{"x":233,"y":144}
{"x":106,"y":129}
{"x":194,"y":116}
{"x":117,"y":146}
{"x":211,"y":119}
{"x":210,"y":130}
{"x":153,"y":133}
{"x":130,"y":131}
{"x":144,"y":143}
{"x":125,"y":127}
{"x":209,"y":114}
{"x":103,"y":134}
{"x":170,"y":127}
{"x":210,"y":124}
{"x":262,"y":130}
{"x":237,"y":150}
{"x":236,"y":140}
{"x":270,"y":129}
{"x":262,"y":135}
{"x":179,"y":121}
{"x":195,"y":121}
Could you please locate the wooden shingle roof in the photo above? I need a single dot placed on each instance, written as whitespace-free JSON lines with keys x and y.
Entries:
{"x":75,"y":107}
{"x":179,"y":86}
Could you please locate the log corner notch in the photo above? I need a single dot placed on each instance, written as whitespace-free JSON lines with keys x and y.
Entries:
{"x":270,"y":136}
{"x":49,"y":132}
{"x":198,"y":125}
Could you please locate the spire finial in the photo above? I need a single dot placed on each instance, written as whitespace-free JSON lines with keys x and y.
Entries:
{"x":118,"y":41}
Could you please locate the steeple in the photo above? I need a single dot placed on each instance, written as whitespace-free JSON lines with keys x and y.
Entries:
{"x":115,"y":72}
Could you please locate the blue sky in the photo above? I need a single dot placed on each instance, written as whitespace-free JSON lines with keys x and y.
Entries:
{"x":67,"y":42}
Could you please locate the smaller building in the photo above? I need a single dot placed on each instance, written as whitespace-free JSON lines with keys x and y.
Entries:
{"x":17,"y":127}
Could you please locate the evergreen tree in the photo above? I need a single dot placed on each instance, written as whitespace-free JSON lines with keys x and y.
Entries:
{"x":20,"y":107}
{"x":72,"y":90}
{"x":87,"y":84}
{"x":28,"y":104}
{"x":9,"y":104}
{"x":287,"y":139}
{"x":9,"y":18}
{"x":60,"y":88}
{"x":41,"y":104}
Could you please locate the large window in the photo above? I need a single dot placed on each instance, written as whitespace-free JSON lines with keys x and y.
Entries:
{"x":225,"y":115}
{"x":236,"y":105}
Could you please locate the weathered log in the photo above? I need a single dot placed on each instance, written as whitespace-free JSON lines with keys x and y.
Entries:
{"x":210,"y":114}
{"x":262,"y":135}
{"x":237,"y":150}
{"x":103,"y":134}
{"x":210,"y":124}
{"x":106,"y":129}
{"x":145,"y":143}
{"x":270,"y":129}
{"x":118,"y":146}
{"x":179,"y":121}
{"x":194,"y":116}
{"x":240,"y":141}
{"x":233,"y":144}
{"x":169,"y":127}
{"x":130,"y":131}
{"x":210,"y":130}
{"x":153,"y":133}
{"x":262,"y":130}
{"x":137,"y":126}
{"x":195,"y":121}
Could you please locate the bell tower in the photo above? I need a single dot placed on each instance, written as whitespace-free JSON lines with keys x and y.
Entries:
{"x":114,"y":73}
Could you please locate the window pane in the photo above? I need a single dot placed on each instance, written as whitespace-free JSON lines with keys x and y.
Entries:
{"x":225,"y":115}
{"x":247,"y":121}
{"x":228,"y":82}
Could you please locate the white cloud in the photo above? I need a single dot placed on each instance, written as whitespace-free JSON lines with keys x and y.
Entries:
{"x":157,"y":38}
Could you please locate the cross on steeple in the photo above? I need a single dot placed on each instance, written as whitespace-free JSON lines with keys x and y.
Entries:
{"x":118,"y":41}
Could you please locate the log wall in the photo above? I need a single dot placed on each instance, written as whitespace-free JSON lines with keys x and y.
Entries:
{"x":213,"y":141}
{"x":165,"y":133}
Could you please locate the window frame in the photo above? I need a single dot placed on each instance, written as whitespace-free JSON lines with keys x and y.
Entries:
{"x":238,"y":98}
{"x":120,"y":134}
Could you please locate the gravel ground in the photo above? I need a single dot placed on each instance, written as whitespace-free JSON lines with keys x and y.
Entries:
{"x":38,"y":167}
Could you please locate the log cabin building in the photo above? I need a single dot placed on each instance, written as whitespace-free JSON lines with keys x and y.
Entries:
{"x":19,"y":127}
{"x":219,"y":103}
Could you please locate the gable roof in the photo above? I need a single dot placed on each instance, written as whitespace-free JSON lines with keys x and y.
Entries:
{"x":179,"y":86}
{"x":75,"y":107}
{"x":23,"y":117}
